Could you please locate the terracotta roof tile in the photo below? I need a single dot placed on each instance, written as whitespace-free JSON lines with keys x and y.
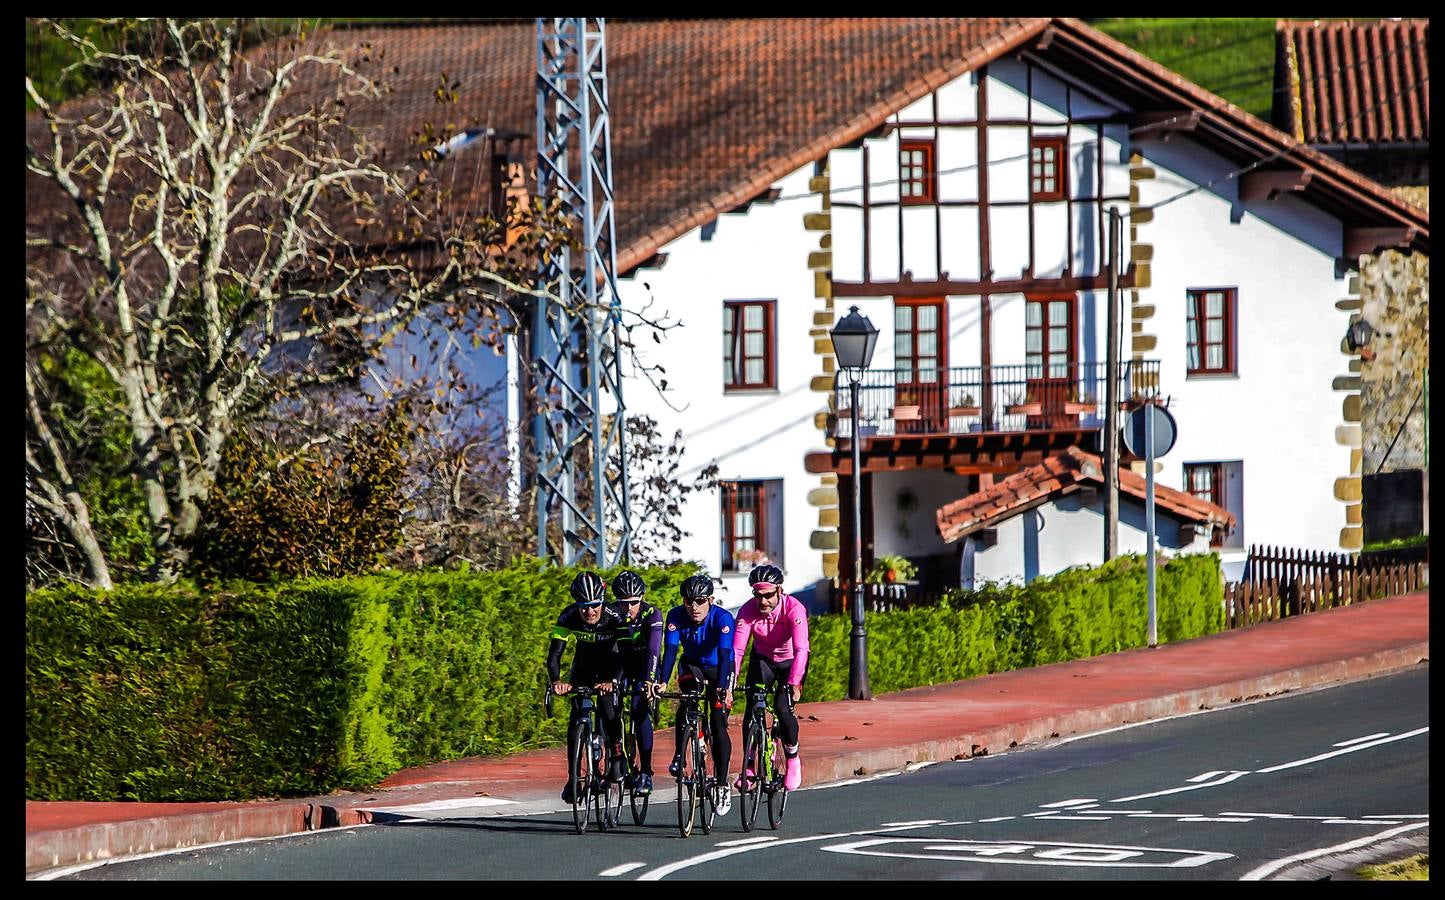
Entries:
{"x":1353,"y":82}
{"x":1053,"y":476}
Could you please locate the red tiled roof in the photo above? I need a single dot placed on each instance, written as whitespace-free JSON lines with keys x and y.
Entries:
{"x":1058,"y":475}
{"x":705,"y":113}
{"x":1348,"y":82}
{"x":708,"y":113}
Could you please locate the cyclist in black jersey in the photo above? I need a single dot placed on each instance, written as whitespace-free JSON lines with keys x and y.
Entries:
{"x":640,"y":645}
{"x":596,"y":662}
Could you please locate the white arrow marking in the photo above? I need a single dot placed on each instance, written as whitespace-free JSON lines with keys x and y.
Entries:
{"x":622,"y":869}
{"x":1193,"y":787}
{"x":744,"y":841}
{"x":1206,"y":776}
{"x":1358,"y":740}
{"x":1351,"y":749}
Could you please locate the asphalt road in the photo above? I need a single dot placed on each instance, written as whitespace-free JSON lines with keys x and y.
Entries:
{"x":1298,"y":786}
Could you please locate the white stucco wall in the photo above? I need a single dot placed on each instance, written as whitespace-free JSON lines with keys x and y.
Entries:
{"x":760,"y":254}
{"x":1277,"y":416}
{"x":905,"y":505}
{"x":1279,"y":413}
{"x":1052,"y":537}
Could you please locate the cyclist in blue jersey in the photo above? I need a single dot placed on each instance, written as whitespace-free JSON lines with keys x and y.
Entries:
{"x":595,"y":662}
{"x":640,"y":645}
{"x":704,"y":634}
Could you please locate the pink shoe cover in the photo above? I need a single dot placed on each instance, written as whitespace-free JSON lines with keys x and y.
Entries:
{"x":793,"y":776}
{"x":741,"y":785}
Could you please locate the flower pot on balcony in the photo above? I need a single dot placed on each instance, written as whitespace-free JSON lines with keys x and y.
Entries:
{"x":1075,"y":407}
{"x":1026,"y":409}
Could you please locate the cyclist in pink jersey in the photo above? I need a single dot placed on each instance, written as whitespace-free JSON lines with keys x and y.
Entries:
{"x":778,"y":626}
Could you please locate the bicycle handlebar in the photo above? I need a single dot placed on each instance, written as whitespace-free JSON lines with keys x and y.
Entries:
{"x":682,"y":695}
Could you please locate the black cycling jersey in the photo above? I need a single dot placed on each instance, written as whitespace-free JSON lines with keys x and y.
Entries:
{"x":640,"y":641}
{"x":596,"y":658}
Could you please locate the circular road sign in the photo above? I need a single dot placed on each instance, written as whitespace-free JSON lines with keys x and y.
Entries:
{"x":1165,"y":431}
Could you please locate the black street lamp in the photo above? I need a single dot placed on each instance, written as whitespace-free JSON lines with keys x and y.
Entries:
{"x":853,"y":340}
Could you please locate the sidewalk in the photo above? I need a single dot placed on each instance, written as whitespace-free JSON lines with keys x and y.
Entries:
{"x":840,"y":739}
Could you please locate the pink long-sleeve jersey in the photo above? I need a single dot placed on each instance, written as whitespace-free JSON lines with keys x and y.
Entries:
{"x":780,"y":636}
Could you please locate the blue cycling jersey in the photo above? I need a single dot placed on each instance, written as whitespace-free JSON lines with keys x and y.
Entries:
{"x":706,"y":643}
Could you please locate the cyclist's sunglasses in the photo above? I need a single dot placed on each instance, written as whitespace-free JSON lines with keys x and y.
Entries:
{"x":766,"y":591}
{"x":630,"y":601}
{"x":699,"y":602}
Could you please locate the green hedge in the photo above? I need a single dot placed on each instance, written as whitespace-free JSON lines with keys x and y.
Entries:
{"x":245,"y":691}
{"x":1075,"y":614}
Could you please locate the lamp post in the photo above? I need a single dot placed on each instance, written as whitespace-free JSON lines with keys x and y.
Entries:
{"x":854,"y":338}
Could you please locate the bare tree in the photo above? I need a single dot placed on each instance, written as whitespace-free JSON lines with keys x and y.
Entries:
{"x":217,"y":239}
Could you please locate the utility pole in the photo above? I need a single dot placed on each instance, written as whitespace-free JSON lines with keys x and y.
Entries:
{"x":575,"y":349}
{"x":1111,"y":397}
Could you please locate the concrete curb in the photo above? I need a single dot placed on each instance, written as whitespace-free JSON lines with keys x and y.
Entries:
{"x":58,"y":848}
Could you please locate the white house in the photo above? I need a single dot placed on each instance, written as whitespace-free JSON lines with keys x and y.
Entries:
{"x":954,"y":180}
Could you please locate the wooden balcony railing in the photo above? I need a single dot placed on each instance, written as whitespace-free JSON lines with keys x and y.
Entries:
{"x":968,"y":399}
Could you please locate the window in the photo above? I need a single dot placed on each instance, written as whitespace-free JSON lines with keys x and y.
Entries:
{"x":1210,"y":323}
{"x":1049,"y":337}
{"x":1221,"y":483}
{"x":915,"y":172}
{"x":752,"y":523}
{"x":748,"y":345}
{"x":1046,"y":168}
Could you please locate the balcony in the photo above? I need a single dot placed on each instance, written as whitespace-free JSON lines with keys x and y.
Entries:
{"x":992,"y":400}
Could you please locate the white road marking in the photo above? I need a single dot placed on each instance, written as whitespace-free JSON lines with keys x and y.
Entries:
{"x":1368,"y":737}
{"x":906,"y":824}
{"x":1214,"y":819}
{"x":1193,"y":787}
{"x":998,"y":819}
{"x":662,"y":872}
{"x":1411,"y":816}
{"x":622,"y":869}
{"x":1206,"y":776}
{"x":1031,"y":853}
{"x":1080,"y":818}
{"x":1351,"y":749}
{"x":1359,"y":822}
{"x":464,"y":803}
{"x":1159,"y":815}
{"x":1079,"y":802}
{"x":1052,"y":812}
{"x":742,"y":841}
{"x":1269,"y":868}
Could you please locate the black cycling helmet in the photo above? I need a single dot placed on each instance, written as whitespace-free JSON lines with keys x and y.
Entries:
{"x":628,"y":586}
{"x":765,"y":574}
{"x":696,"y":587}
{"x":588,"y":589}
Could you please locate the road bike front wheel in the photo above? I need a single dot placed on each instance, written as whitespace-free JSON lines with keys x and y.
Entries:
{"x":778,"y":797}
{"x":752,"y":786}
{"x":639,"y":801}
{"x":707,"y":807}
{"x":600,"y":786}
{"x":686,"y":789}
{"x":580,"y":778}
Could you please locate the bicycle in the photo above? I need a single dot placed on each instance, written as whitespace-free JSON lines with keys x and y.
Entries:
{"x":762,"y":756}
{"x":632,"y":766}
{"x":693,"y":779}
{"x":593,"y":794}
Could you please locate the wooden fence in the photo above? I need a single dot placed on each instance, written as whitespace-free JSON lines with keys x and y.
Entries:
{"x":1281,"y":582}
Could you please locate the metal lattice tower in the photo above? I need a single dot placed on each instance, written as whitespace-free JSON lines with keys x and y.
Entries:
{"x":581,"y":463}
